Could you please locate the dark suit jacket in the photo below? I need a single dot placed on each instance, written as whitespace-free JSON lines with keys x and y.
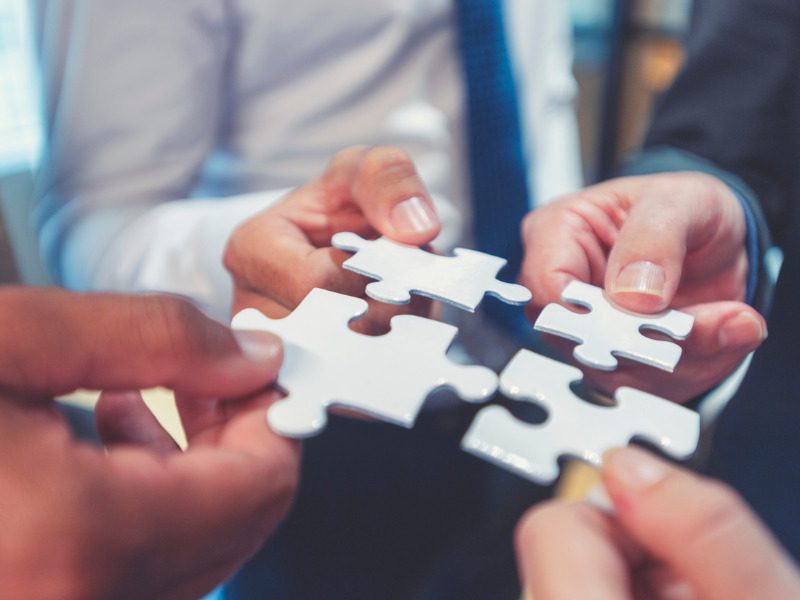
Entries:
{"x":736,"y":101}
{"x":734,"y":111}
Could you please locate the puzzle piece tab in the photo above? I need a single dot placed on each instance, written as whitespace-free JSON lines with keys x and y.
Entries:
{"x":387,"y":377}
{"x":607,"y":330}
{"x":460,"y":280}
{"x":573,"y":427}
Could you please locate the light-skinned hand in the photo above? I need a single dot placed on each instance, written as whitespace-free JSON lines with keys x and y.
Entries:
{"x":675,"y":536}
{"x":143,"y":520}
{"x":656,"y":241}
{"x":279,"y":255}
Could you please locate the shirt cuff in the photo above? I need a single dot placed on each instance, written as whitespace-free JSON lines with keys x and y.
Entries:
{"x":752,"y":246}
{"x":175,"y":247}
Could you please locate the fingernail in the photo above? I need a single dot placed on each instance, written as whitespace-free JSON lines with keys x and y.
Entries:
{"x":414,"y":215}
{"x":258,"y":346}
{"x":642,"y":277}
{"x":677,"y":590}
{"x":741,"y":330}
{"x":670,"y":586}
{"x":598,"y":497}
{"x":634,"y":469}
{"x":527,"y":594}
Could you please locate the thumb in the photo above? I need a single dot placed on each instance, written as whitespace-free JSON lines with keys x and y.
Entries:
{"x":117,"y":342}
{"x":698,"y":528}
{"x":646,"y":261}
{"x":383,"y":182}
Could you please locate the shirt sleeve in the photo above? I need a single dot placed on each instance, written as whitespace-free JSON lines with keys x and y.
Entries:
{"x":133,"y":98}
{"x":541,"y":44}
{"x":174,"y":247}
{"x":555,"y":131}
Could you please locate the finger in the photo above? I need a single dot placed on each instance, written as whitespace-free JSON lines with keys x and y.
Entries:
{"x":729,"y":283}
{"x":724,"y":327}
{"x":123,"y":418}
{"x":656,"y":582}
{"x":644,"y":267}
{"x":249,"y":299}
{"x":208,"y":509}
{"x":383,"y":182}
{"x":557,"y":540}
{"x":56,"y":341}
{"x":567,"y":240}
{"x":251,"y":450}
{"x":264,"y":256}
{"x":204,"y":420}
{"x":320,"y":273}
{"x":724,"y":333}
{"x":665,"y":224}
{"x":698,"y":528}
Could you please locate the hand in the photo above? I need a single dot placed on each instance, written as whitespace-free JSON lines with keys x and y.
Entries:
{"x":657,"y":241}
{"x":674,"y":536}
{"x":144,"y":521}
{"x":279,"y":255}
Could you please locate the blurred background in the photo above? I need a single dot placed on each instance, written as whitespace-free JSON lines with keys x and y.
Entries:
{"x":626,"y":52}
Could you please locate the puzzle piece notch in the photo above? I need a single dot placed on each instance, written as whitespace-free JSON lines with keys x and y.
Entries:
{"x":461,"y":280}
{"x":573,"y":427}
{"x":607,"y":330}
{"x":387,"y":377}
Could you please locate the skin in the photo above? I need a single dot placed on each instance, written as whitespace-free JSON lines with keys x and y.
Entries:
{"x":673,"y":536}
{"x":141,"y":519}
{"x":689,"y":229}
{"x":279,"y":255}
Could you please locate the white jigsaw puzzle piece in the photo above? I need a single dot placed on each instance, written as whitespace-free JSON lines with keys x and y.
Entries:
{"x":387,"y":377}
{"x":573,"y":427}
{"x":461,"y":280}
{"x":607,"y":330}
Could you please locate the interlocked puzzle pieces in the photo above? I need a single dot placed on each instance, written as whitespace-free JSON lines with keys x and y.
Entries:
{"x":609,"y":330}
{"x":461,"y":280}
{"x":388,"y":376}
{"x":573,"y":427}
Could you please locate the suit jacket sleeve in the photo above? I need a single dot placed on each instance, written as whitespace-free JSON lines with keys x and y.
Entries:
{"x":732,"y":112}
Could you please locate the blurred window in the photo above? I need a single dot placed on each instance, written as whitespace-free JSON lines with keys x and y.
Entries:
{"x":591,"y":26}
{"x":20,"y":125}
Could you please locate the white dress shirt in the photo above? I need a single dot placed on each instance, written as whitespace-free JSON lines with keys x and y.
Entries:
{"x":171,"y":122}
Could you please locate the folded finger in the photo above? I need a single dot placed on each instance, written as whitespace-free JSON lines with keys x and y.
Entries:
{"x":731,"y":328}
{"x":122,"y":418}
{"x":565,"y":240}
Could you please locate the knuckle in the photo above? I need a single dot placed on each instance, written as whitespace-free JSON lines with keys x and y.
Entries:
{"x":231,"y":258}
{"x":238,"y":255}
{"x":323,"y":270}
{"x":529,"y":224}
{"x":317,"y":274}
{"x":338,"y":174}
{"x":346,"y":156}
{"x":172,"y":329}
{"x":381,"y":160}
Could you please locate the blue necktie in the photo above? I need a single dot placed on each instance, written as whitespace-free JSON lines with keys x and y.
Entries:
{"x":496,"y":160}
